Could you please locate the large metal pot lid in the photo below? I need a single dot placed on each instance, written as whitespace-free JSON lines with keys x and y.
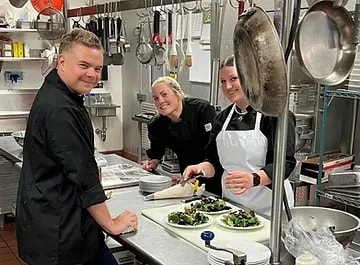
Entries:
{"x":324,"y":43}
{"x":260,"y":62}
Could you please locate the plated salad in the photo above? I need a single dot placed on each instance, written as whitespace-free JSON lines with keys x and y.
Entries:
{"x":209,"y":205}
{"x":241,"y":218}
{"x":187,"y":218}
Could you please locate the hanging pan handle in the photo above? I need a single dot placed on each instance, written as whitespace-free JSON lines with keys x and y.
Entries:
{"x":357,"y":23}
{"x":156,"y":35}
{"x":170,"y":36}
{"x":241,"y":7}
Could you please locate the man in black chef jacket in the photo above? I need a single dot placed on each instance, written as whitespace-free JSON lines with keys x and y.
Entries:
{"x":61,"y":208}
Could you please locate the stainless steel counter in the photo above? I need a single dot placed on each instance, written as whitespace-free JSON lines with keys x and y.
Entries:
{"x":153,"y":243}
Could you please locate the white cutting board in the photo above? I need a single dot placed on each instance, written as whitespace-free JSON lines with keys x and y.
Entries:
{"x":159,"y":215}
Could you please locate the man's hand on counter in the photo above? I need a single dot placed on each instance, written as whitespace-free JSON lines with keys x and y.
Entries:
{"x":126,"y":221}
{"x":113,"y":226}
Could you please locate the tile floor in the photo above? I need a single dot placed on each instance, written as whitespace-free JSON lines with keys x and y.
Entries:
{"x":8,"y":246}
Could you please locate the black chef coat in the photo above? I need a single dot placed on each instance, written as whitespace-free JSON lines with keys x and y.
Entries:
{"x":58,"y":180}
{"x":247,"y":122}
{"x":187,"y":138}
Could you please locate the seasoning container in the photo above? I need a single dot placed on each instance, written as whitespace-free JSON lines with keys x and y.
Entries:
{"x":23,"y":24}
{"x":306,"y":259}
{"x":6,"y":48}
{"x":15,"y":50}
{"x":20,"y":49}
{"x":26,"y":50}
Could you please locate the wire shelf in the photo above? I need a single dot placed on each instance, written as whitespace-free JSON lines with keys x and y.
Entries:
{"x":342,"y":93}
{"x":341,"y":199}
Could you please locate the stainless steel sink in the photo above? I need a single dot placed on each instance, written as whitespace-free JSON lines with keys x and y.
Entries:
{"x":103,"y":110}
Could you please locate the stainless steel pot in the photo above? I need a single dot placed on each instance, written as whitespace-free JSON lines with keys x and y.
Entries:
{"x":324,"y":43}
{"x":260,"y":62}
{"x":345,"y":225}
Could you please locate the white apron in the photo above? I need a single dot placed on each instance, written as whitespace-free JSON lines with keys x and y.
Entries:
{"x":246,"y":151}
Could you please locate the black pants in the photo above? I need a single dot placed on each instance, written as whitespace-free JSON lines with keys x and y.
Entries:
{"x":103,"y":257}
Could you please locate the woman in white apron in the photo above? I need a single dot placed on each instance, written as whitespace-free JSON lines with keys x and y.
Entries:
{"x":241,"y":149}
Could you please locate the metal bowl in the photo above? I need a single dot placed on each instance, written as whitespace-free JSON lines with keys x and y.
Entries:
{"x":345,"y":224}
{"x":19,"y":137}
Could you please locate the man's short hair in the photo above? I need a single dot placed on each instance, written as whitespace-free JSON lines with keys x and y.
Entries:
{"x":79,"y":36}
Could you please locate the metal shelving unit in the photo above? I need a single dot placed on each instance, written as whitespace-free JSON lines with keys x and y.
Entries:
{"x":341,"y":199}
{"x":20,"y":59}
{"x":15,"y":30}
{"x":342,"y":93}
{"x":328,"y":96}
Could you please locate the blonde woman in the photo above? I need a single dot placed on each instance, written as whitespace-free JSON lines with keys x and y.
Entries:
{"x":241,"y":149}
{"x":183,"y":124}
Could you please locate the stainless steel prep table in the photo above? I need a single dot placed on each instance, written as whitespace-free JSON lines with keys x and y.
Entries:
{"x":153,"y":243}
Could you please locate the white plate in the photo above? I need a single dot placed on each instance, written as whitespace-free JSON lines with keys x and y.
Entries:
{"x":155,"y":179}
{"x":189,"y":226}
{"x":256,"y":253}
{"x":221,"y":223}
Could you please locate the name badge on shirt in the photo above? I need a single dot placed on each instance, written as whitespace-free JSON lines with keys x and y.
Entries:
{"x":208,"y":127}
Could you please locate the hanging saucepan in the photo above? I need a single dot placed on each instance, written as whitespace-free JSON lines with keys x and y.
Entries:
{"x":18,"y":3}
{"x":324,"y":43}
{"x":260,"y":62}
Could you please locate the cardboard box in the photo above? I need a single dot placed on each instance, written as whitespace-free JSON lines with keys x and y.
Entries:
{"x":333,"y":162}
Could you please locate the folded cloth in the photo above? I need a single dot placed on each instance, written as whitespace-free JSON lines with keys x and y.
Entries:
{"x":177,"y":191}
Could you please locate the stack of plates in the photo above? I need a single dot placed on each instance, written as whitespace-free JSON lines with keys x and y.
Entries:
{"x":154,"y":183}
{"x":257,"y":254}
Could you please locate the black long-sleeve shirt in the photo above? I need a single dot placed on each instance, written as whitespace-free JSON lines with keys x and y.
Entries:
{"x":58,"y":180}
{"x":187,"y":138}
{"x":267,"y":127}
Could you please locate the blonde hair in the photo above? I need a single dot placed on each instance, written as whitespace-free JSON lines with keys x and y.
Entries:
{"x":79,"y":36}
{"x":172,"y":83}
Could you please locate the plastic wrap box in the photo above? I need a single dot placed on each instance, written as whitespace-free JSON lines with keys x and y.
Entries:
{"x":333,"y":162}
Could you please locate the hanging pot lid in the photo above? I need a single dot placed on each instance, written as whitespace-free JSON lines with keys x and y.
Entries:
{"x":260,"y":62}
{"x":18,"y":3}
{"x":40,"y":5}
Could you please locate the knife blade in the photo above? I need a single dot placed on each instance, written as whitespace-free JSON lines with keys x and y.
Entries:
{"x":195,"y":176}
